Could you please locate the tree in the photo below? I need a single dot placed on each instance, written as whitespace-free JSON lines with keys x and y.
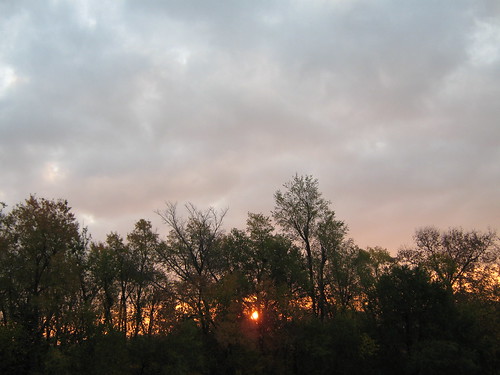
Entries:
{"x":373,"y":263}
{"x":452,"y":256}
{"x":264,"y":275}
{"x":122,"y":259}
{"x":40,"y":246}
{"x":301,"y":211}
{"x":343,"y":275}
{"x":380,"y":262}
{"x":190,"y":253}
{"x":421,"y":328}
{"x":270,"y":264}
{"x":144,"y":245}
{"x":336,"y":267}
{"x":104,"y":271}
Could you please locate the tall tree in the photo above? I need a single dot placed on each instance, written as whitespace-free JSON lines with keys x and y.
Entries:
{"x":335,"y":259}
{"x":122,"y":259}
{"x":144,"y":245}
{"x":300,"y":210}
{"x":40,"y":258}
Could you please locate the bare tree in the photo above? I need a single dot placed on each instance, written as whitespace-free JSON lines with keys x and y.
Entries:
{"x":451,"y":255}
{"x":190,"y":253}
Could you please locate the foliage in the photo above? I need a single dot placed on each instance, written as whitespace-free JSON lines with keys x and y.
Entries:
{"x":140,"y":304}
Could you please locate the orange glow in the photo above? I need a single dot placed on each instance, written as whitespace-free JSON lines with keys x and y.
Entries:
{"x":255,"y":315}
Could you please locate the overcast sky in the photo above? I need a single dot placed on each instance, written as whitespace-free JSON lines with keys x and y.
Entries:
{"x":118,"y":106}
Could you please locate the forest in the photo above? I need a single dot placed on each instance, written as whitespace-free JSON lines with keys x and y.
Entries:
{"x":291,"y":293}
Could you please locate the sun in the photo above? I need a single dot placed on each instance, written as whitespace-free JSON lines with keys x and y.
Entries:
{"x":255,"y":315}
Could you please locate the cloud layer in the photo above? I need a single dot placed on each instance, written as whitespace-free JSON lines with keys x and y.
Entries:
{"x":119,"y":106}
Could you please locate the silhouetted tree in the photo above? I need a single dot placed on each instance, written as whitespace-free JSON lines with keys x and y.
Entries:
{"x":141,"y":305}
{"x":420,"y":326}
{"x":144,"y":245}
{"x":453,"y":255}
{"x":104,"y":270}
{"x":190,"y":253}
{"x":301,"y":211}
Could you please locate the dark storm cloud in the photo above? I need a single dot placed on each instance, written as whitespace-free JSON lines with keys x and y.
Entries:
{"x":119,"y":106}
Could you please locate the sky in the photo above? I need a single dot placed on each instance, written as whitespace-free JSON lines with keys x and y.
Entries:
{"x":119,"y":106}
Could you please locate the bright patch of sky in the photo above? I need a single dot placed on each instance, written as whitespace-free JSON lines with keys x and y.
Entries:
{"x":8,"y":79}
{"x":485,"y":43}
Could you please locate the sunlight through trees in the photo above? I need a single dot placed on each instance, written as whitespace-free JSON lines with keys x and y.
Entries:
{"x":293,"y":295}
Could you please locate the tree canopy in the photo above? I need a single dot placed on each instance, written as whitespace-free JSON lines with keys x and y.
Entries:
{"x":290,"y":293}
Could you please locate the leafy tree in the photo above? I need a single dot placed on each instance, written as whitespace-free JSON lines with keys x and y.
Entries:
{"x":127,"y":281}
{"x":333,"y":248}
{"x":303,"y":213}
{"x":120,"y":261}
{"x":112,"y":273}
{"x":39,"y":259}
{"x":104,"y":272}
{"x":278,"y":262}
{"x":267,"y":270}
{"x":140,"y":305}
{"x":373,"y":263}
{"x":270,"y":263}
{"x":144,"y":245}
{"x":380,"y":262}
{"x":414,"y":314}
{"x":344,"y":276}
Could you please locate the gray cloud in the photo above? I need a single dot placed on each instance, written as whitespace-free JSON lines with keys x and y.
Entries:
{"x":120,"y":106}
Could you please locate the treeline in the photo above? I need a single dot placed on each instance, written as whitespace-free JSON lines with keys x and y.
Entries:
{"x":289,"y":294}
